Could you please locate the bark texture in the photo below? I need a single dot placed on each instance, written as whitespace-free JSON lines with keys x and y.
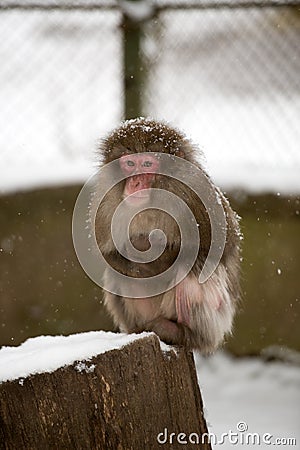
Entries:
{"x":121,"y":399}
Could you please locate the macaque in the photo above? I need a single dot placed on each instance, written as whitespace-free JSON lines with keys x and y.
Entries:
{"x":190,"y":314}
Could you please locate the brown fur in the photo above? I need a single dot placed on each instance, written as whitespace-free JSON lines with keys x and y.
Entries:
{"x":208,"y":324}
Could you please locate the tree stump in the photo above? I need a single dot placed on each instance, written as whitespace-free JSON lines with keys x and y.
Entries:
{"x":137,"y":397}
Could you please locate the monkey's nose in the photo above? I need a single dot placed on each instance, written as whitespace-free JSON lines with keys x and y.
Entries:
{"x":137,"y":180}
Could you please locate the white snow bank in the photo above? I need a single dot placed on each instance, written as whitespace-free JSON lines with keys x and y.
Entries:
{"x":263,"y":395}
{"x":48,"y":353}
{"x":59,"y":172}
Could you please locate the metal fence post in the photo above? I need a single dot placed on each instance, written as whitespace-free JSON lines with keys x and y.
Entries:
{"x":133,"y":65}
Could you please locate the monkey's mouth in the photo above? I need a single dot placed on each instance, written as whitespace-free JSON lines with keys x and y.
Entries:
{"x":137,"y":189}
{"x":137,"y":198}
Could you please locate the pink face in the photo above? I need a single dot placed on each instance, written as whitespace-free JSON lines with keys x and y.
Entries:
{"x":141,"y":169}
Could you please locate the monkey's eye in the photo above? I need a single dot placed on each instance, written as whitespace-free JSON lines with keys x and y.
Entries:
{"x":147,"y":164}
{"x":130,"y":163}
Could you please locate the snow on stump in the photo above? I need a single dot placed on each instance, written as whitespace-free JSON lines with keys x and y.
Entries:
{"x":99,"y":391}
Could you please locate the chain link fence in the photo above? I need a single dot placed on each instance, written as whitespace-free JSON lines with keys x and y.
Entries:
{"x":230,"y":77}
{"x":227,"y":73}
{"x":61,"y":88}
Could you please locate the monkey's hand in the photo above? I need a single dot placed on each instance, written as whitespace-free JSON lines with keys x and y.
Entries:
{"x":170,"y":332}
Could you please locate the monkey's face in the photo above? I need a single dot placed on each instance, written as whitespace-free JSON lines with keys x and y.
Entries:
{"x":140,"y":170}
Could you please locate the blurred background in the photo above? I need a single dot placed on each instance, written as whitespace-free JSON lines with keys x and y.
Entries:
{"x":225,"y":72}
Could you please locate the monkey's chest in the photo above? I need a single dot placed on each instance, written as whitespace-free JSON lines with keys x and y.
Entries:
{"x":142,"y":258}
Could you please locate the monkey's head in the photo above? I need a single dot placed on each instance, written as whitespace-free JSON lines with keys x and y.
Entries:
{"x":130,"y":143}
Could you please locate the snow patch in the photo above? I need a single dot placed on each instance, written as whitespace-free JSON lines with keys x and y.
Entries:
{"x":264,"y":395}
{"x":48,"y":353}
{"x":139,"y":11}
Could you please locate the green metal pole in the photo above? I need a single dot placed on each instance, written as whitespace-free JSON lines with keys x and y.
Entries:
{"x":133,"y":66}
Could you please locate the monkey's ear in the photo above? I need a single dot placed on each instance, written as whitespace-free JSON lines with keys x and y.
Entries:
{"x":120,"y":149}
{"x":115,"y":152}
{"x":180,"y":153}
{"x":186,"y":150}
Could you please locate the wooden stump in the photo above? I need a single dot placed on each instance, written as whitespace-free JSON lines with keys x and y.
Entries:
{"x":138,"y":397}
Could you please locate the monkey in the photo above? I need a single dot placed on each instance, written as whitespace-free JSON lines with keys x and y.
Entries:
{"x":190,"y":314}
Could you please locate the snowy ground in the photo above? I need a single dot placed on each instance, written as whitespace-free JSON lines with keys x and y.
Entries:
{"x":264,"y":396}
